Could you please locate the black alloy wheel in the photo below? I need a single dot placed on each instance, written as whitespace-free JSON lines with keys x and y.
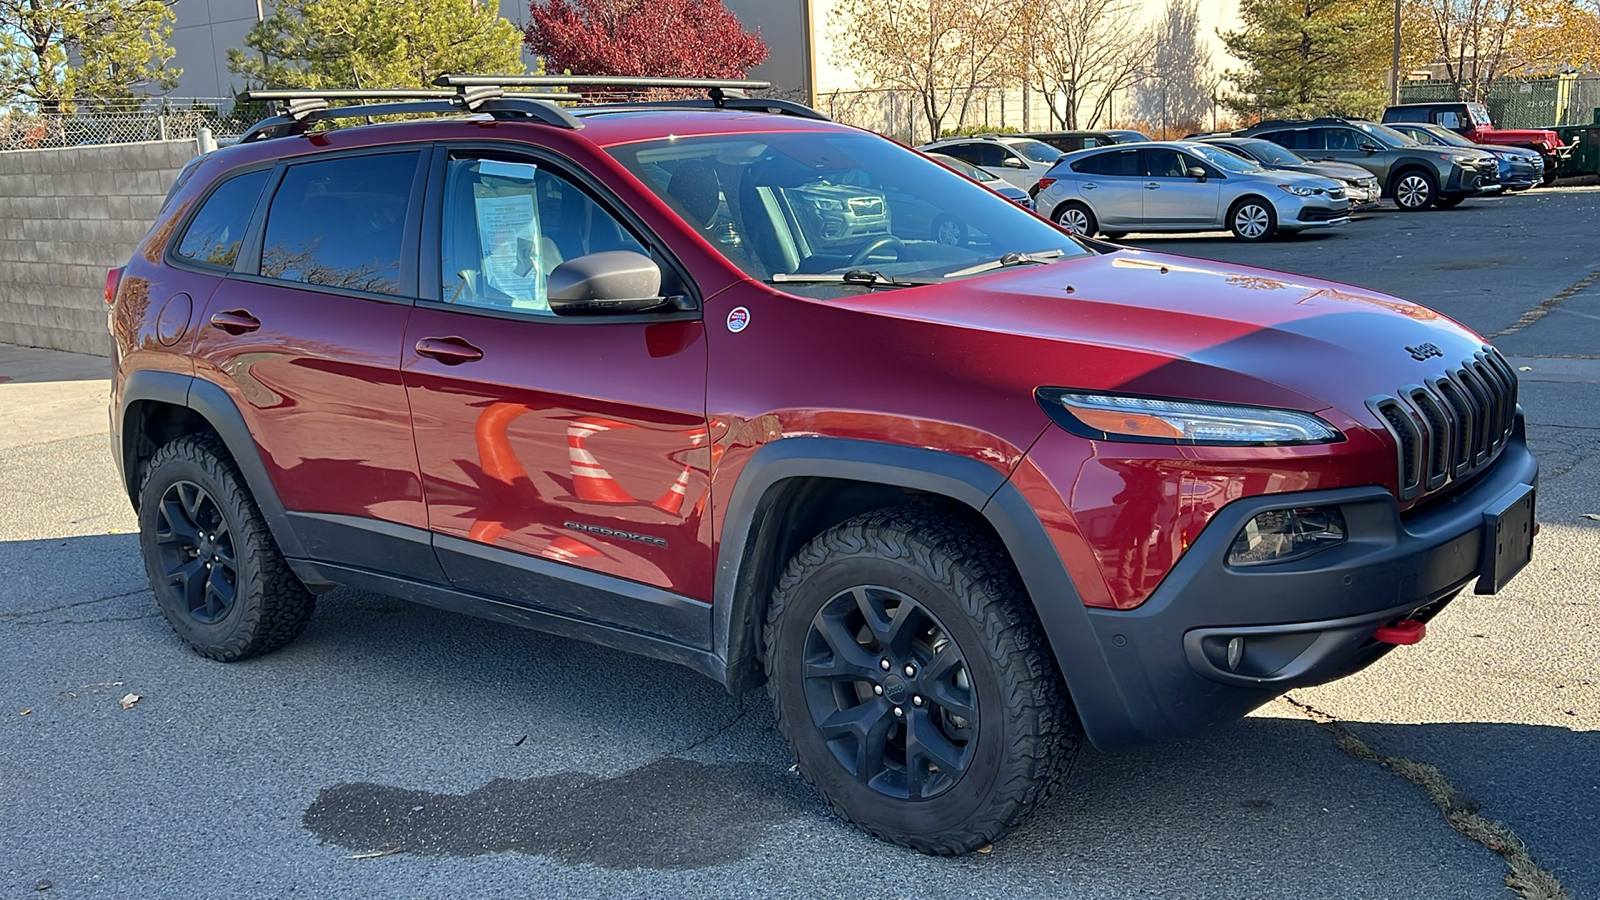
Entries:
{"x":195,"y":547}
{"x":890,"y":693}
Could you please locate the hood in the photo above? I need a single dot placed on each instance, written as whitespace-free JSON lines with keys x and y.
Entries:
{"x":1520,"y":135}
{"x":1513,"y":153}
{"x":1466,"y":153}
{"x":1337,"y":170}
{"x":1171,"y":326}
{"x":1302,"y":178}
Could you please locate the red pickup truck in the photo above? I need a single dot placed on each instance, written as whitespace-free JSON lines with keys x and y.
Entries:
{"x":1472,"y":121}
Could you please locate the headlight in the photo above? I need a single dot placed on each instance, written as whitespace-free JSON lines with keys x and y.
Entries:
{"x":1299,"y":191}
{"x":828,"y":204}
{"x":1285,"y":534}
{"x":1119,"y":417}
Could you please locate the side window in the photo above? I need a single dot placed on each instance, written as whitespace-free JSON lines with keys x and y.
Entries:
{"x":1162,"y":162}
{"x":214,"y":233}
{"x":1281,"y":138}
{"x":965,"y":152}
{"x":1342,"y":138}
{"x":508,"y":224}
{"x":1449,"y":119}
{"x":1406,"y":114}
{"x":341,"y":222}
{"x":1120,"y":162}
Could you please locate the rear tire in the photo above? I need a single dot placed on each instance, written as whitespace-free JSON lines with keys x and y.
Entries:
{"x":215,"y":569}
{"x":913,"y":682}
{"x":1253,"y":219}
{"x":1076,"y":218}
{"x":1415,"y":190}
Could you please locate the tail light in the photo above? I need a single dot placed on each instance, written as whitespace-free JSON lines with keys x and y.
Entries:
{"x":113,"y":280}
{"x":1044,"y":182}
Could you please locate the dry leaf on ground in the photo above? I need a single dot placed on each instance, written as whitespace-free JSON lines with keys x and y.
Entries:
{"x":129,"y":699}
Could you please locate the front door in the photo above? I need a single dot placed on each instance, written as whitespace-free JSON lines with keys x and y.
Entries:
{"x":554,"y":448}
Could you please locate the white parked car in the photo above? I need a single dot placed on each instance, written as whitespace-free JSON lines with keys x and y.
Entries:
{"x":1019,"y":160}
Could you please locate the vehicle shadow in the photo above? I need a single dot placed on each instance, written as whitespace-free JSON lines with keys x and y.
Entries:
{"x":427,"y":734}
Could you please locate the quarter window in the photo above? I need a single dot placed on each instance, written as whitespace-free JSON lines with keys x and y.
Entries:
{"x":508,"y":224}
{"x":215,"y":232}
{"x":341,"y":222}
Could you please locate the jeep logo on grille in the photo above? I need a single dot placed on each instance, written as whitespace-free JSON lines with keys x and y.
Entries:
{"x":1423,"y":351}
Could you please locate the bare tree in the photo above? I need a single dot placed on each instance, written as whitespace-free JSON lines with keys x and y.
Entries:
{"x":1472,"y":38}
{"x":1081,"y":53}
{"x":940,"y":51}
{"x":1179,"y":87}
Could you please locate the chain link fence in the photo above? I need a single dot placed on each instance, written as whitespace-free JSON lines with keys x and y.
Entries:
{"x":22,"y":129}
{"x":1524,"y":102}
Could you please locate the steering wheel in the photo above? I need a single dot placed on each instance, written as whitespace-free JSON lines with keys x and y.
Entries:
{"x":873,"y":246}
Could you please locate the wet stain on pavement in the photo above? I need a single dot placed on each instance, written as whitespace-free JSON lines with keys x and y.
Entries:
{"x":671,"y":814}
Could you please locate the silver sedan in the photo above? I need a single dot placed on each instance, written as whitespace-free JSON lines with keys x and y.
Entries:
{"x":1184,"y":186}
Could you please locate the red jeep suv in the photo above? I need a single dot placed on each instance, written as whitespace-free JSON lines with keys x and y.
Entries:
{"x":696,"y":379}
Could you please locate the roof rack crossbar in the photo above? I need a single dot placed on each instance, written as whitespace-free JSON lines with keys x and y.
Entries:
{"x":754,"y":104}
{"x":500,"y":105}
{"x":613,"y":81}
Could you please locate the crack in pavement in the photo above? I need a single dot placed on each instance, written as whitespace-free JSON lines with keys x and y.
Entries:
{"x":149,"y":615}
{"x":1545,"y":306}
{"x":30,"y":613}
{"x":1527,"y":878}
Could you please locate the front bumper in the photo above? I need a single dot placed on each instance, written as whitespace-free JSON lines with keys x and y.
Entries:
{"x":1472,"y":182}
{"x":1303,"y":622}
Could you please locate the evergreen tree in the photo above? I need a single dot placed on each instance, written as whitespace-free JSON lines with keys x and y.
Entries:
{"x":53,"y":52}
{"x":1311,"y":57}
{"x":376,"y":44}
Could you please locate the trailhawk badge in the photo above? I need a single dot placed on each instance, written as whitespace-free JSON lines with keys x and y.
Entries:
{"x":738,"y":319}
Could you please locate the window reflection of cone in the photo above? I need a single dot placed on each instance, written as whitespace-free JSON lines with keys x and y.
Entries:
{"x":565,"y":549}
{"x":590,"y":480}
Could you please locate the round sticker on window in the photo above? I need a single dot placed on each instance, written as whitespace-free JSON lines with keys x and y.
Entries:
{"x":738,"y":319}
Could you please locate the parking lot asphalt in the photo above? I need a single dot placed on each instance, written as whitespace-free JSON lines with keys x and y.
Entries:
{"x":400,"y":751}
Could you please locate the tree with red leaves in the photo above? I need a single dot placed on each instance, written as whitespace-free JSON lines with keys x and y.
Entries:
{"x":662,"y":38}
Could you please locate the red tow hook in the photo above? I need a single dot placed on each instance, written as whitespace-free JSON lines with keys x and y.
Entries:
{"x":1405,"y":631}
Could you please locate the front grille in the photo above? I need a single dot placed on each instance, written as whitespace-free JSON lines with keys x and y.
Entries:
{"x":1336,"y":193}
{"x":1313,"y":214}
{"x":1454,"y":425}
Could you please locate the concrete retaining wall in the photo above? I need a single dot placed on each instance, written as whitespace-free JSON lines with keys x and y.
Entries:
{"x":67,"y":216}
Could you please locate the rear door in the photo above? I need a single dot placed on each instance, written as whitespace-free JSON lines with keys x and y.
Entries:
{"x":555,"y":448}
{"x":1112,"y":184}
{"x":304,"y":335}
{"x":1174,"y":197}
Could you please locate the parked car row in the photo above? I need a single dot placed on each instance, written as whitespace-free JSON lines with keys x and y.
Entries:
{"x":1275,"y":176}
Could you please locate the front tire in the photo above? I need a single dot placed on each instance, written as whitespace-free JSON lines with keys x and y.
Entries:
{"x":1253,"y":219}
{"x":1415,"y":190}
{"x":215,"y":569}
{"x":914,"y":684}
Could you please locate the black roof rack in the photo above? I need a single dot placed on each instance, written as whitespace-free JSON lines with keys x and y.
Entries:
{"x":488,"y":94}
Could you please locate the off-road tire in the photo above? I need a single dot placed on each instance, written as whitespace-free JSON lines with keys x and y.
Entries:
{"x":1025,"y":736}
{"x":270,"y":607}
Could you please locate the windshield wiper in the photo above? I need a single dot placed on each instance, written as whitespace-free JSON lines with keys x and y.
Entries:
{"x":862,"y":277}
{"x":1007,"y":261}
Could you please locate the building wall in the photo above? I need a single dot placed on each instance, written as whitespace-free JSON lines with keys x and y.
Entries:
{"x":66,"y":217}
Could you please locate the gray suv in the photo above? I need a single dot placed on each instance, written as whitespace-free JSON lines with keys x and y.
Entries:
{"x":1414,"y":176}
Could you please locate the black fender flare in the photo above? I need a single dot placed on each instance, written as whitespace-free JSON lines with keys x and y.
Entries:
{"x":208,"y":400}
{"x":737,"y":613}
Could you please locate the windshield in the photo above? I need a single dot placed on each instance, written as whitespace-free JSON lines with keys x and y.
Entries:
{"x":1038,"y":151}
{"x":965,"y":168}
{"x":1444,"y":136}
{"x":1385,"y":135}
{"x":1224,"y":160}
{"x":1270,"y":153}
{"x":825,"y":203}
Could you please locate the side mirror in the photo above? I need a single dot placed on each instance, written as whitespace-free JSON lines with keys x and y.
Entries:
{"x":611,"y":281}
{"x":1199,"y":173}
{"x":1369,"y":147}
{"x":1011,"y":162}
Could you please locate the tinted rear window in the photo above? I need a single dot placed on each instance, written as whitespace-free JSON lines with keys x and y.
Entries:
{"x":215,"y":232}
{"x":1118,"y":162}
{"x":341,"y":222}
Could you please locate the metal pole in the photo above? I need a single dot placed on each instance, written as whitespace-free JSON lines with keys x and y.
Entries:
{"x":1394,"y":65}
